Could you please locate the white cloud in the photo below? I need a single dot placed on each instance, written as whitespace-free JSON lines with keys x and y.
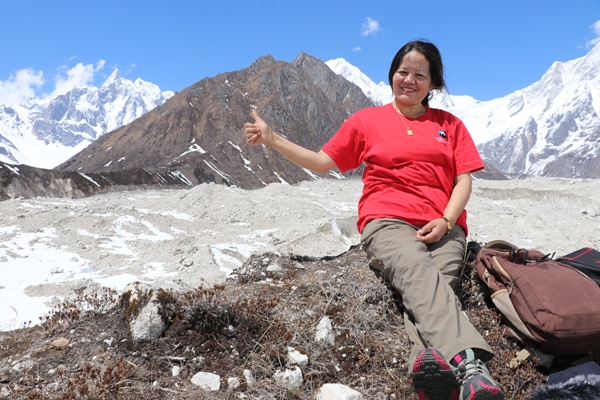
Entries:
{"x":20,"y":86}
{"x":356,"y":49}
{"x":27,"y":83}
{"x":370,"y":27}
{"x":596,"y":28}
{"x":79,"y":76}
{"x":72,"y":58}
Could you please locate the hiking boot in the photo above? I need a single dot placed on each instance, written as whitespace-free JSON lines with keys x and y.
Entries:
{"x":433,"y":378}
{"x":475,"y":380}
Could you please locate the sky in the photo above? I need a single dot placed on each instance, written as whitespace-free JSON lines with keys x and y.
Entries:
{"x":490,"y":48}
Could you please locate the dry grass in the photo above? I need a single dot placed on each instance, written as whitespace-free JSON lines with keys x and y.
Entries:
{"x":247,"y":323}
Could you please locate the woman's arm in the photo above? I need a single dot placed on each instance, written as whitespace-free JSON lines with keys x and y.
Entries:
{"x":459,"y":197}
{"x":436,"y":229}
{"x":260,"y":133}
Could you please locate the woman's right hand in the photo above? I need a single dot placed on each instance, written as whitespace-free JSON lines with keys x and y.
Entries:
{"x":257,"y":132}
{"x":260,"y":133}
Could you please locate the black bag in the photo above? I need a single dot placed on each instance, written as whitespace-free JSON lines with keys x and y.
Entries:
{"x":586,"y":259}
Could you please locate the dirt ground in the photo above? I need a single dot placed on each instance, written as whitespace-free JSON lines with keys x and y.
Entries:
{"x":248,"y":323}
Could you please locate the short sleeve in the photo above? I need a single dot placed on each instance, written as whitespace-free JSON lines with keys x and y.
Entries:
{"x":466,"y":156}
{"x":347,"y":146}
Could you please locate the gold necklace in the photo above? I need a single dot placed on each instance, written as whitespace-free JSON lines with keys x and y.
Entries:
{"x":408,"y":128}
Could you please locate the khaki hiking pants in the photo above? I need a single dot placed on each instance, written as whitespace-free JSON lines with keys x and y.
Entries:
{"x":426,"y":277}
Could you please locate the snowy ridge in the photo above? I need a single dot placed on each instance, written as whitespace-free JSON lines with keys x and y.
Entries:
{"x":380,"y":93}
{"x":550,"y":128}
{"x":44,"y":133}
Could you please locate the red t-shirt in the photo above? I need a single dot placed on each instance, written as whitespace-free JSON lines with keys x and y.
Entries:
{"x":409,"y":177}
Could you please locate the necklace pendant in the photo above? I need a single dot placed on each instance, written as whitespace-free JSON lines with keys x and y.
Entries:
{"x":409,"y":131}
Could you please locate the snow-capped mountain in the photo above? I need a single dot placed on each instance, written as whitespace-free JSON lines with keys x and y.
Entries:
{"x":550,"y":128}
{"x":44,"y":133}
{"x":380,"y":93}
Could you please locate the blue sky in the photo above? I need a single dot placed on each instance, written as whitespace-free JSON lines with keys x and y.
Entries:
{"x":490,"y":47}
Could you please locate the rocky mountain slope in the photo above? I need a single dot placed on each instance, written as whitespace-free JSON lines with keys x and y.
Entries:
{"x":23,"y":181}
{"x":199,"y":130}
{"x":550,"y":128}
{"x":196,"y":136}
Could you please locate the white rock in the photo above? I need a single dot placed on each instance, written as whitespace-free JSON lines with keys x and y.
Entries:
{"x":336,"y":391}
{"x":5,"y":393}
{"x":325,"y":332}
{"x":249,"y":377}
{"x":290,"y":378}
{"x":148,"y":325}
{"x":274,"y":268}
{"x":296,"y":357}
{"x":233,"y":382}
{"x":207,"y":381}
{"x":175,"y":370}
{"x":21,"y":365}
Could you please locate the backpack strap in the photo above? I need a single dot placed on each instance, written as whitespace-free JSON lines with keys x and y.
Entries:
{"x":517,"y":254}
{"x":501,"y":245}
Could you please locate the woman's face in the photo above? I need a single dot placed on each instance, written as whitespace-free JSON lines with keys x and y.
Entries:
{"x":412,"y":81}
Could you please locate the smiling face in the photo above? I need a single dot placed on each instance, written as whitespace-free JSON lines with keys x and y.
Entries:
{"x":412,"y":80}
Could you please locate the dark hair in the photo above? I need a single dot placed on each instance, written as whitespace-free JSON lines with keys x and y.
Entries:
{"x":432,"y":54}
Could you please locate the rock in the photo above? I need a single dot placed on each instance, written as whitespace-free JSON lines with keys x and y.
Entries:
{"x":249,"y":376}
{"x":148,"y":325}
{"x":296,"y":357}
{"x":324,"y":333}
{"x":290,"y":378}
{"x":207,"y":381}
{"x":4,"y":393}
{"x":149,"y":322}
{"x":60,"y":343}
{"x":274,"y":268}
{"x":336,"y":391}
{"x":233,"y":383}
{"x":22,"y":365}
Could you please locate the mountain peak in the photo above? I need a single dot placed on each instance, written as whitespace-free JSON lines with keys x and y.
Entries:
{"x":68,"y":123}
{"x":379,"y":93}
{"x":549,"y":128}
{"x":197,"y":130}
{"x":114,"y":77}
{"x":303,"y":57}
{"x":340,"y":64}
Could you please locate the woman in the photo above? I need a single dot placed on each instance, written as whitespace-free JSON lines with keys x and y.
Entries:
{"x":417,"y":182}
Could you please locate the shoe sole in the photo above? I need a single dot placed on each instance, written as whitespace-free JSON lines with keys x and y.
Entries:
{"x":433,"y":378}
{"x":481,"y":391}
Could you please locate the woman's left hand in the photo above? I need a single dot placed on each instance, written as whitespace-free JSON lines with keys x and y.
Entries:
{"x":432,"y":232}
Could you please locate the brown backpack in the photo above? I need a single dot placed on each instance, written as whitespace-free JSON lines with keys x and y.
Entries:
{"x":544,"y":303}
{"x":586,"y":259}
